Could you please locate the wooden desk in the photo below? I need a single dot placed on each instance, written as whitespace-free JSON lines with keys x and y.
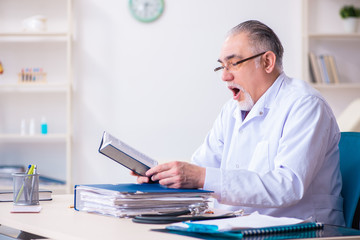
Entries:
{"x":58,"y":221}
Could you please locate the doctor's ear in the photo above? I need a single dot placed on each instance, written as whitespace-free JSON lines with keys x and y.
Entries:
{"x":269,"y":61}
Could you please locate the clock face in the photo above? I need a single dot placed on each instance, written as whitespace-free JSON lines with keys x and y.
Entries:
{"x":146,"y":10}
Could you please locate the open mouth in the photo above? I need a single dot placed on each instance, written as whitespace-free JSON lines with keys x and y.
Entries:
{"x":236,"y":91}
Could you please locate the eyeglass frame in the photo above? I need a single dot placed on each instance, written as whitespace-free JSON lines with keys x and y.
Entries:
{"x":238,"y":62}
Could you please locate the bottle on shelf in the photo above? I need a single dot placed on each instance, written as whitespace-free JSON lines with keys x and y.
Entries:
{"x":23,"y":127}
{"x":44,"y":126}
{"x":32,"y":126}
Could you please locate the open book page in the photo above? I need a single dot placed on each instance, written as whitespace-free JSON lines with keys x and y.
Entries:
{"x":254,"y":220}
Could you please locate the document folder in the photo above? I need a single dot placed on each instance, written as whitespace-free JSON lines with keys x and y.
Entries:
{"x":127,"y":200}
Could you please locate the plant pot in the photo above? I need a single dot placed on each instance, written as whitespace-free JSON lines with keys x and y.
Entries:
{"x":350,"y":24}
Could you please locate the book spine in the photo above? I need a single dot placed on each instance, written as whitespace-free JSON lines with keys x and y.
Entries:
{"x":321,"y":72}
{"x":323,"y":68}
{"x":328,"y":68}
{"x":314,"y":68}
{"x":76,"y":198}
{"x":334,"y":69}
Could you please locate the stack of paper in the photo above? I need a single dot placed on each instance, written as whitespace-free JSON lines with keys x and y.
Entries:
{"x":127,"y":200}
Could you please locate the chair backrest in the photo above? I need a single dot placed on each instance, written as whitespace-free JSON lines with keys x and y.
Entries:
{"x":349,"y":147}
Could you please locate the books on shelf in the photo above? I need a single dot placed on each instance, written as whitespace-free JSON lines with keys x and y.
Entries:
{"x":7,"y":170}
{"x":323,"y":69}
{"x":248,"y":225}
{"x":125,"y":155}
{"x":6,"y":178}
{"x":8,"y":195}
{"x":129,"y":200}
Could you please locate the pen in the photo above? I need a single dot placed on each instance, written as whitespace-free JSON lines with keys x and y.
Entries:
{"x":18,"y":195}
{"x":33,"y":184}
{"x":24,"y":183}
{"x":27,"y":171}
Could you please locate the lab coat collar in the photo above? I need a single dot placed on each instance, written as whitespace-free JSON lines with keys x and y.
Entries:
{"x":268,"y":98}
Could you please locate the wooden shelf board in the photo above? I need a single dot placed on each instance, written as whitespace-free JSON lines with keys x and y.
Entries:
{"x":33,"y":138}
{"x":33,"y":36}
{"x":337,"y":86}
{"x":35,"y":87}
{"x":335,"y":35}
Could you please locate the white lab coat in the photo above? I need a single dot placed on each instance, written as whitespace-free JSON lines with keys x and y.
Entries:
{"x":282,"y":160}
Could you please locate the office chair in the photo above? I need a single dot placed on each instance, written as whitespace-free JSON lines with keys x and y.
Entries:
{"x":349,"y":147}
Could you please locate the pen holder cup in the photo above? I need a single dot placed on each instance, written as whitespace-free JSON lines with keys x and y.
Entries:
{"x":26,"y":189}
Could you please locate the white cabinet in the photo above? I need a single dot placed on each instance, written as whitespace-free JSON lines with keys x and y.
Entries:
{"x":324,"y":34}
{"x":23,"y":104}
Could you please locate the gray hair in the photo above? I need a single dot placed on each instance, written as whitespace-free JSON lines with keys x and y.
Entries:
{"x":261,"y":37}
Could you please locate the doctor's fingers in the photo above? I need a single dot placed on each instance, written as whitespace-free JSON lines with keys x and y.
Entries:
{"x":190,"y":179}
{"x":172,"y":169}
{"x":142,"y":179}
{"x":161,"y":168}
{"x":175,"y":182}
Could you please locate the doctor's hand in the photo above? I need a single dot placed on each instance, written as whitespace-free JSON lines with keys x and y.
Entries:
{"x":140,"y":179}
{"x":175,"y":175}
{"x":178,"y":175}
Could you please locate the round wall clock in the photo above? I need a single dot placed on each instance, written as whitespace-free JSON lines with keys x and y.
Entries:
{"x":146,"y":10}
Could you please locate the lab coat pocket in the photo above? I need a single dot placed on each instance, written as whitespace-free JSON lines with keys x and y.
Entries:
{"x":260,"y":160}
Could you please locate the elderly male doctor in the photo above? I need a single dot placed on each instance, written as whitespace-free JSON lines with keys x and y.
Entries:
{"x":274,"y":146}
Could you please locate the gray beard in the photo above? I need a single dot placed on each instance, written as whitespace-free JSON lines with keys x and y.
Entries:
{"x":246,"y":104}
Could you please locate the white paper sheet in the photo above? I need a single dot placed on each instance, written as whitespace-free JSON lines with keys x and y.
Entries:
{"x":254,"y":220}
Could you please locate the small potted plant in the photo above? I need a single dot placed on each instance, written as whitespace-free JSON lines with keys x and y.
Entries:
{"x":350,"y":15}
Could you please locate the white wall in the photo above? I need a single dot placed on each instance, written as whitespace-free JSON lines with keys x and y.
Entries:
{"x":153,"y":85}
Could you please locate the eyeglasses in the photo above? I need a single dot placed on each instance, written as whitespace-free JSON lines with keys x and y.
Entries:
{"x":231,"y":66}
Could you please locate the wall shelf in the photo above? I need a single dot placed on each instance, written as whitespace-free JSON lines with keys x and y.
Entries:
{"x":25,"y":103}
{"x":325,"y":38}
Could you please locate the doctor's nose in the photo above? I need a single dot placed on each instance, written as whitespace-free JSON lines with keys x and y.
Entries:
{"x":226,"y":75}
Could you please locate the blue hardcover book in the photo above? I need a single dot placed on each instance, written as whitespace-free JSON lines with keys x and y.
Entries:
{"x":135,"y":188}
